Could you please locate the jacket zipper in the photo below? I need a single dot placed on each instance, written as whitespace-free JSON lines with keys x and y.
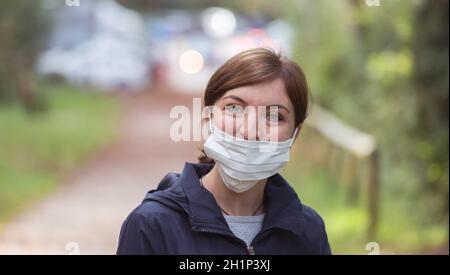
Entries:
{"x":250,"y":249}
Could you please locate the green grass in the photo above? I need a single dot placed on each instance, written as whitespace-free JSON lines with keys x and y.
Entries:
{"x":399,"y":230}
{"x":36,"y":150}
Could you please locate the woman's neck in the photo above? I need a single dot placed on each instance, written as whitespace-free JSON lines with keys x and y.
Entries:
{"x":247,"y":203}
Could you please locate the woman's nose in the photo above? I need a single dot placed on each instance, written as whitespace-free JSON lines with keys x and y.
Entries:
{"x":249,"y":129}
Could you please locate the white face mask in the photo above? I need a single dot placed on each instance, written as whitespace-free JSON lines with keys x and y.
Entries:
{"x":243,"y":163}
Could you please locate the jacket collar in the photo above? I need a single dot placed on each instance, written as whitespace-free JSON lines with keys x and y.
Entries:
{"x":283,"y":207}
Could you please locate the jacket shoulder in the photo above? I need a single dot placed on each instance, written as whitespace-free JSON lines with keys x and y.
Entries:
{"x":312,"y":218}
{"x":143,"y":230}
{"x":314,"y":230}
{"x":154,"y":213}
{"x":150,"y":209}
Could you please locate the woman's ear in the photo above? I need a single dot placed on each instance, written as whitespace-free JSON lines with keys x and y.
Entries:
{"x":204,"y":127}
{"x":208,"y":112}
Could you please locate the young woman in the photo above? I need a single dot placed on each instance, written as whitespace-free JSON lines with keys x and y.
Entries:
{"x":234,"y":201}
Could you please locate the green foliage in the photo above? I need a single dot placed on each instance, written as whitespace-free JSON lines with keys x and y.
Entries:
{"x":385,"y":70}
{"x":36,"y":150}
{"x":431,"y":79}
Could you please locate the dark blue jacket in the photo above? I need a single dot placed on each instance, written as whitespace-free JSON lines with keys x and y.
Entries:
{"x":182,"y":217}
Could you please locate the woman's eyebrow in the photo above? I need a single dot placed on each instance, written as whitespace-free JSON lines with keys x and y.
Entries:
{"x":236,"y":98}
{"x":245,"y":103}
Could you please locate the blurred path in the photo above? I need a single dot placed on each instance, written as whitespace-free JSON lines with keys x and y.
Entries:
{"x":91,"y":205}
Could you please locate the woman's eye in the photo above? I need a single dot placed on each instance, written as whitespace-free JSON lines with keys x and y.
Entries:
{"x":274,"y":117}
{"x":234,"y":109}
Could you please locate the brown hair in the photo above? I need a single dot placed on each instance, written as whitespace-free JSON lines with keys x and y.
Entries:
{"x":254,"y":66}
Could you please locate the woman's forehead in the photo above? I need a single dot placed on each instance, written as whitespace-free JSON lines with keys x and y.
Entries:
{"x":261,"y":94}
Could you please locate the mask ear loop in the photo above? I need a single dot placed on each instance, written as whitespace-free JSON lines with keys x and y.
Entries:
{"x":293,"y":136}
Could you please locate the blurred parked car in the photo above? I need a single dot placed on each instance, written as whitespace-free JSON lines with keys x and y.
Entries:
{"x":108,"y":55}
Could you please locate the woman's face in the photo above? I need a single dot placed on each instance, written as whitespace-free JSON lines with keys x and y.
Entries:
{"x":260,"y":112}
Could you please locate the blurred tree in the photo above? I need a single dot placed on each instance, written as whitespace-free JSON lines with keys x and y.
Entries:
{"x":23,"y":26}
{"x":431,"y":79}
